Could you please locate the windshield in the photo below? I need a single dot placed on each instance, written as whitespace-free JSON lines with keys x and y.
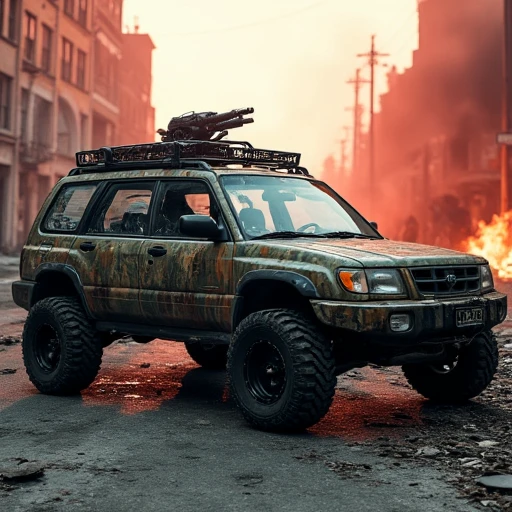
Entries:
{"x":273,"y":204}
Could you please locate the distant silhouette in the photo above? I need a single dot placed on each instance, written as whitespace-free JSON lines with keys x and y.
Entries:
{"x":410,"y":230}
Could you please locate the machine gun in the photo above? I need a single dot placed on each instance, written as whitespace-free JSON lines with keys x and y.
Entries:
{"x":204,"y":125}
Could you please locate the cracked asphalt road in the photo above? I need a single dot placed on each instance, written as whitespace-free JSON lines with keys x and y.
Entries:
{"x":167,"y":436}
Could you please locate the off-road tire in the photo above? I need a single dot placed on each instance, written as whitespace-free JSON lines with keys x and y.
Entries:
{"x":80,"y":346}
{"x":210,"y":357}
{"x":475,"y":368}
{"x":308,"y":370}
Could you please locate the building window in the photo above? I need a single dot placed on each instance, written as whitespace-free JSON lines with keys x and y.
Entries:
{"x":30,"y":37}
{"x":13,"y":15}
{"x":46,"y":56}
{"x":80,"y":69}
{"x":69,"y":7}
{"x":82,"y":12}
{"x":5,"y":101}
{"x":24,"y":114}
{"x":2,"y":10}
{"x":84,"y":124}
{"x":67,"y":60}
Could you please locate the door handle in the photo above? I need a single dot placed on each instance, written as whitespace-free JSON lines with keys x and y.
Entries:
{"x":87,"y":246}
{"x":157,"y":251}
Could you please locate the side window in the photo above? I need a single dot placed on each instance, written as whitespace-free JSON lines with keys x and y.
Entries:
{"x":68,"y":209}
{"x":123,"y":210}
{"x":180,"y":198}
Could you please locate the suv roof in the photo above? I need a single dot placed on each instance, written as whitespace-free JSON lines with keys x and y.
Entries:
{"x":206,"y":155}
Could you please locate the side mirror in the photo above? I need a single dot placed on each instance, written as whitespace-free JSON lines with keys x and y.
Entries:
{"x":374,"y":225}
{"x":201,"y":226}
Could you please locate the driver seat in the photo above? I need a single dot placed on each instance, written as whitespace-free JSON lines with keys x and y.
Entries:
{"x":252,"y":219}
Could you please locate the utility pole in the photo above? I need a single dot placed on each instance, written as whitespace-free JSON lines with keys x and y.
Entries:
{"x":506,"y":125}
{"x":358,"y":83}
{"x":372,"y":57}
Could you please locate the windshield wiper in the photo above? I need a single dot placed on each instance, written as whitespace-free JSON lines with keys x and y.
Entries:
{"x":349,"y":234}
{"x":288,"y":234}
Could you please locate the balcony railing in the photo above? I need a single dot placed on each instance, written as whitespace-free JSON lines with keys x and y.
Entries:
{"x":34,"y":153}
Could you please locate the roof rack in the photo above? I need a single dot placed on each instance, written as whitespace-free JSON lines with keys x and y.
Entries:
{"x":177,"y":153}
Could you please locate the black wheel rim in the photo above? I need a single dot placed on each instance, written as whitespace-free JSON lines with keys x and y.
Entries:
{"x":47,"y":348}
{"x":444,"y":368}
{"x":265,"y":372}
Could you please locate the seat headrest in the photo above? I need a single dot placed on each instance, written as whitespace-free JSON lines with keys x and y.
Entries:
{"x":252,"y":218}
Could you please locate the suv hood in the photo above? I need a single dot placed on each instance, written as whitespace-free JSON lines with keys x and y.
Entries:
{"x":382,"y":253}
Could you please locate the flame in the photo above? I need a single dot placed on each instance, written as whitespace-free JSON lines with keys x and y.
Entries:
{"x":493,"y":241}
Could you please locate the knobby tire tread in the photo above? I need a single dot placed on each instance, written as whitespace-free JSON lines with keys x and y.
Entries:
{"x":314,"y":370}
{"x":473,"y":373}
{"x":83,"y":346}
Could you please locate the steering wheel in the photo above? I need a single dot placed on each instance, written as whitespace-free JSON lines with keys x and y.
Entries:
{"x":302,"y":229}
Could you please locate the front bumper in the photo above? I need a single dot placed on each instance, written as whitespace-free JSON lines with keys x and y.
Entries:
{"x":432,"y":318}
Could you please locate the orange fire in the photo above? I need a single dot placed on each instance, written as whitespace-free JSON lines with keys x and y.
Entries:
{"x":493,"y":241}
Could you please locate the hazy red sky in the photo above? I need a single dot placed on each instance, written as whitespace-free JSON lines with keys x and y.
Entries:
{"x":289,"y":59}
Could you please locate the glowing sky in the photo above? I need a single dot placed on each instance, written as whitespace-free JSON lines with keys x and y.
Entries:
{"x":289,"y":59}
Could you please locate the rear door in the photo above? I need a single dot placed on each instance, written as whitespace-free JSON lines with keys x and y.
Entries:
{"x":185,"y":282}
{"x":106,"y":255}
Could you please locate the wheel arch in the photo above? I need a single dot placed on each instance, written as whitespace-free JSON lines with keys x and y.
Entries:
{"x":269,"y":289}
{"x":58,"y":280}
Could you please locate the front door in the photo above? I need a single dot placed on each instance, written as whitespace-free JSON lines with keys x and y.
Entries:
{"x":106,"y":255}
{"x":185,"y":282}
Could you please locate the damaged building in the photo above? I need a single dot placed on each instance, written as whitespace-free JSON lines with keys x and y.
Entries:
{"x":435,"y":135}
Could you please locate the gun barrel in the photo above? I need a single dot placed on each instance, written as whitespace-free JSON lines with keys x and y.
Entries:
{"x":226,"y":125}
{"x":226,"y":116}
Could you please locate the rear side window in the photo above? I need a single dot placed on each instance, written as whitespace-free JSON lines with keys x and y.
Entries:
{"x":124,"y":210}
{"x":69,"y":207}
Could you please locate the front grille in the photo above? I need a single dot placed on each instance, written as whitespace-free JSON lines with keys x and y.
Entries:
{"x":440,"y":280}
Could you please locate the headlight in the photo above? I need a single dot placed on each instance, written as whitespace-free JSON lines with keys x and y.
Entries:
{"x":486,"y":281}
{"x":381,"y":281}
{"x":385,"y":281}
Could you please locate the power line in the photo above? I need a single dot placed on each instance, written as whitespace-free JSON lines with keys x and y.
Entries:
{"x":249,"y":25}
{"x":402,"y":26}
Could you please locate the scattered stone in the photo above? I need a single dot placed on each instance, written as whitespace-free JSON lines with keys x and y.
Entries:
{"x":7,"y":371}
{"x":427,"y":451}
{"x":204,"y":423}
{"x":487,"y":444}
{"x":9,"y":340}
{"x":345,"y":469}
{"x":472,"y":463}
{"x":21,"y":472}
{"x":489,"y":503}
{"x":496,"y":481}
{"x":145,"y":365}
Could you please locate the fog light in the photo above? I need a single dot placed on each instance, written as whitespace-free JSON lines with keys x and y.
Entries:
{"x":400,"y":323}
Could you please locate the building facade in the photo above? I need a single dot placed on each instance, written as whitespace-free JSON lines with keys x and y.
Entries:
{"x":60,"y":64}
{"x":10,"y":34}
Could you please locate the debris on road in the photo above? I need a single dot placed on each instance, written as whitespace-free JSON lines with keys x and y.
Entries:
{"x":427,"y":451}
{"x":145,"y":365}
{"x":8,"y":371}
{"x":496,"y":481}
{"x":21,"y":472}
{"x":9,"y":340}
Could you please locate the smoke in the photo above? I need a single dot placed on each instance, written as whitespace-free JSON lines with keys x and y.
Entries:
{"x":437,"y":113}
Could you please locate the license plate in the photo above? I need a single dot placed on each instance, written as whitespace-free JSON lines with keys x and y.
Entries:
{"x":469,"y":316}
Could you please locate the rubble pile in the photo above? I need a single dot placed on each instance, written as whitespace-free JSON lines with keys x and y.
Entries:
{"x":470,"y":442}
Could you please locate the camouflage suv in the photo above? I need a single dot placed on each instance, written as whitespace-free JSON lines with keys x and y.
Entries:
{"x":257,"y":266}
